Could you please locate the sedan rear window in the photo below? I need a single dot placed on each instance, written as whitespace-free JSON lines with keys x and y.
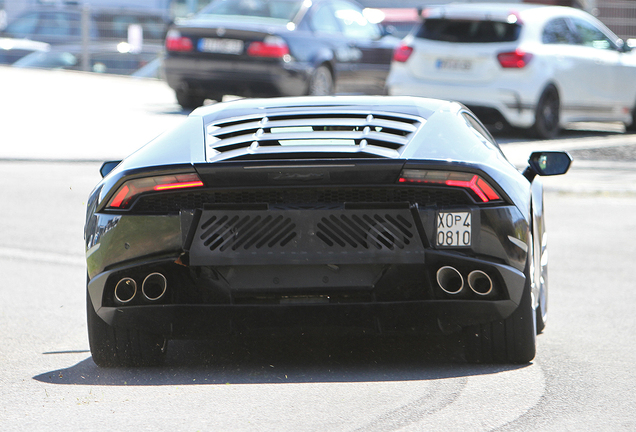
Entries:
{"x":466,"y":31}
{"x":277,"y":9}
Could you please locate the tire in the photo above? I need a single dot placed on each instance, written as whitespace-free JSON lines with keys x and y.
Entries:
{"x":547,"y":114}
{"x":632,"y":127}
{"x":512,"y":340}
{"x":116,"y":346}
{"x":321,"y":82}
{"x":188,"y":99}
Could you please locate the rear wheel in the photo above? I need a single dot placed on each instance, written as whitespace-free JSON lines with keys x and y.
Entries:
{"x":118,"y":346}
{"x":547,"y":114}
{"x":321,"y":82}
{"x":189,"y":99}
{"x":512,"y":340}
{"x":632,"y":126}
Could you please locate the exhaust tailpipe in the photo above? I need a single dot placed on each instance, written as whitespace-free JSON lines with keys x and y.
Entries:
{"x":125,"y":290}
{"x":450,"y":280}
{"x":480,"y":282}
{"x":154,"y":286}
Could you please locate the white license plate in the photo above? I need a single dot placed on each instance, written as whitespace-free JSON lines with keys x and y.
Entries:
{"x":222,"y":46}
{"x":454,"y":64}
{"x":454,"y":229}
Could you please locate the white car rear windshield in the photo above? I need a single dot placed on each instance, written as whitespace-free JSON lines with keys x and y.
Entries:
{"x":466,"y":31}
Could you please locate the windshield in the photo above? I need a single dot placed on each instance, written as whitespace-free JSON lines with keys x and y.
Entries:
{"x":450,"y":30}
{"x":277,"y":9}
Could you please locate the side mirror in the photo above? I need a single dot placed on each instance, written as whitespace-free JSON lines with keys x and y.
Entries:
{"x":108,"y":167}
{"x":547,"y":163}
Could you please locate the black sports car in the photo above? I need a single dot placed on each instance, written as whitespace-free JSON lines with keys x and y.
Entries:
{"x":277,"y":48}
{"x":388,"y":213}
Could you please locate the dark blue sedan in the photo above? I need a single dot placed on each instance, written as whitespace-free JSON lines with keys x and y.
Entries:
{"x":277,"y":48}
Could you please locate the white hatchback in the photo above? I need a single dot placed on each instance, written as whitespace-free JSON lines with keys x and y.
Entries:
{"x":528,"y":66}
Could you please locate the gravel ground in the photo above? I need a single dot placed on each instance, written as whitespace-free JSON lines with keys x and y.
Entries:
{"x":618,"y":153}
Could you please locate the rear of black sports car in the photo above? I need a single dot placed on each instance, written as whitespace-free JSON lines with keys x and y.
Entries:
{"x":384,"y":214}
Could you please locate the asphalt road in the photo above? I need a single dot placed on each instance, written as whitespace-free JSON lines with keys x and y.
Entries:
{"x":581,"y":379}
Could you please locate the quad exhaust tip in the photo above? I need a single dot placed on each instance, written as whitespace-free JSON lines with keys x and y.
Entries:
{"x":450,"y":280}
{"x":154,"y":286}
{"x":125,"y":290}
{"x":480,"y":282}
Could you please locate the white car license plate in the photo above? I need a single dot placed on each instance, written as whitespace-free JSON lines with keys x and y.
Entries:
{"x":454,"y":229}
{"x":222,"y":46}
{"x":454,"y":64}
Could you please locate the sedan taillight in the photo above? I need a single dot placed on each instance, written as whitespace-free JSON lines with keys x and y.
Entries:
{"x":473,"y":182}
{"x":271,"y":46}
{"x":127,"y":192}
{"x":517,"y":59}
{"x":176,"y":42}
{"x":402,"y":53}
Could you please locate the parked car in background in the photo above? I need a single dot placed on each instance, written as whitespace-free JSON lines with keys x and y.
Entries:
{"x":12,"y":49}
{"x":107,"y":57}
{"x":63,"y":24}
{"x":529,"y":66}
{"x":276,"y":48}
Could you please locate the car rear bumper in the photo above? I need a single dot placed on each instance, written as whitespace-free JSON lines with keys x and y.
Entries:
{"x":200,"y":321}
{"x":517,"y":107}
{"x":227,"y":269}
{"x":268,"y":78}
{"x":204,"y":301}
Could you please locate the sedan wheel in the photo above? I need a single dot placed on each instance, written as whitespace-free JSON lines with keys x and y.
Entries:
{"x":188,"y":99}
{"x":546,"y":123}
{"x":321,"y":83}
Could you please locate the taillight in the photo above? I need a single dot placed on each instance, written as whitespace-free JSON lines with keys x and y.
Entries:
{"x":271,"y":46}
{"x":517,"y":59}
{"x":402,"y":53}
{"x":176,"y":42}
{"x":464,"y":180}
{"x":133,"y":188}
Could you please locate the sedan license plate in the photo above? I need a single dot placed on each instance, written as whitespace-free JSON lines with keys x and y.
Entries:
{"x":221,"y":46}
{"x":454,"y":64}
{"x":454,"y":229}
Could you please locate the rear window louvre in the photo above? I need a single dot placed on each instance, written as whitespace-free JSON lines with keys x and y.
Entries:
{"x":350,"y":132}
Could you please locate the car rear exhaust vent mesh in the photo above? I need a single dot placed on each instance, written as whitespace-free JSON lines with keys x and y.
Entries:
{"x":350,"y":132}
{"x":256,"y":232}
{"x":369,"y":232}
{"x":263,"y":237}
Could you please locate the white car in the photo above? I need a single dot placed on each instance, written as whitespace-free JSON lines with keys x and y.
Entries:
{"x":528,"y":66}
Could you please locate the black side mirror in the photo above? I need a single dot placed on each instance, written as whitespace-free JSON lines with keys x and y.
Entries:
{"x":108,"y":167}
{"x":547,"y":163}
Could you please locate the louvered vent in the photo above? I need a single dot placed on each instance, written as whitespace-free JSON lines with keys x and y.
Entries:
{"x":368,"y":231}
{"x":258,"y":237}
{"x":297,"y":132}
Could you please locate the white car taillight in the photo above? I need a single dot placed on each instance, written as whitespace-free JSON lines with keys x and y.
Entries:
{"x":517,"y":59}
{"x":402,"y":53}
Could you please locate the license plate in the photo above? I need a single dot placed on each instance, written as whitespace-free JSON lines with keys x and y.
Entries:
{"x":221,"y":46}
{"x":454,"y":229}
{"x":454,"y":64}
